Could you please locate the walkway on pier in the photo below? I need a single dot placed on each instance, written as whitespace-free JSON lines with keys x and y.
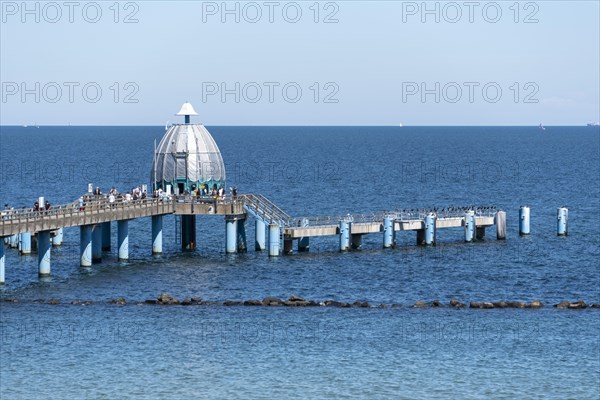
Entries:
{"x":273,"y":226}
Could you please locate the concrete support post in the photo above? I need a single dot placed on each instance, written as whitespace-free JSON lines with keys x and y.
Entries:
{"x":231,"y":235}
{"x":562,"y":228}
{"x":524,"y":227}
{"x":241,"y":236}
{"x":57,"y":240}
{"x":188,"y":232}
{"x":480,"y":232}
{"x":2,"y":260}
{"x":106,"y":236}
{"x":14,"y":241}
{"x":469,"y":226}
{"x":501,"y":225}
{"x":97,"y":243}
{"x":123,"y":239}
{"x":430,"y":220}
{"x":304,"y":242}
{"x":44,"y":253}
{"x":356,"y":241}
{"x":274,"y":240}
{"x":288,"y":246}
{"x":260,"y":242}
{"x":157,"y":234}
{"x":85,"y":245}
{"x":389,"y":235}
{"x":25,"y":243}
{"x":345,"y":235}
{"x":421,"y":236}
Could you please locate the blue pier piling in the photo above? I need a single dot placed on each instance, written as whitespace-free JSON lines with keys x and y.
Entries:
{"x":188,"y":232}
{"x":44,"y":253}
{"x":524,"y":226}
{"x":345,"y":235}
{"x":562,"y":221}
{"x":500,"y":221}
{"x":231,"y":235}
{"x":123,"y":239}
{"x":97,"y":243}
{"x":274,"y":240}
{"x":85,"y":245}
{"x":241,"y":236}
{"x":469,"y":226}
{"x":106,"y":236}
{"x":2,"y":260}
{"x":14,"y":241}
{"x":304,"y":242}
{"x":430,"y":220}
{"x":389,"y":235}
{"x":58,"y":238}
{"x":25,"y":243}
{"x":260,"y":241}
{"x":157,"y":234}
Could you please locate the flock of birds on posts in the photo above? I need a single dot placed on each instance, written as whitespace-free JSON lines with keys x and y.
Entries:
{"x":448,"y":211}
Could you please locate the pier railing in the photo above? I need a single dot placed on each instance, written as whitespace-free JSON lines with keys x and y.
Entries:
{"x":398,"y":215}
{"x":94,"y":210}
{"x":263,"y":208}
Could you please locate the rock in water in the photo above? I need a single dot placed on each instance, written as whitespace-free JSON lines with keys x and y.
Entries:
{"x":165,"y":299}
{"x":272,"y":302}
{"x":578,"y":305}
{"x":562,"y":304}
{"x":420,"y":304}
{"x":536,"y":304}
{"x":456,"y":304}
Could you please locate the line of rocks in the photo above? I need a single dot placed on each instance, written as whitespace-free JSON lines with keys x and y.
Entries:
{"x":295,"y":301}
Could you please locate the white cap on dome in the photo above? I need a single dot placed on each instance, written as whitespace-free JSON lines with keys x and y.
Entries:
{"x":187,"y":109}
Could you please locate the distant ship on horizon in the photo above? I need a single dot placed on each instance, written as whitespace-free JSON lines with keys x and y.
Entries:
{"x":593,"y":124}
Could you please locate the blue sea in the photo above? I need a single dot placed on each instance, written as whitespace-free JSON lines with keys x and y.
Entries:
{"x":99,"y":350}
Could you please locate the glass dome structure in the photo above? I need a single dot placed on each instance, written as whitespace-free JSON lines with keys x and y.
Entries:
{"x":187,"y":157}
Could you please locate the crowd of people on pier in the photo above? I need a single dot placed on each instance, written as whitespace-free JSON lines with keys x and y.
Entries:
{"x":113,"y":196}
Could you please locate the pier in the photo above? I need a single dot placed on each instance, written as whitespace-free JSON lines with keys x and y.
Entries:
{"x":273,"y":227}
{"x":188,"y":180}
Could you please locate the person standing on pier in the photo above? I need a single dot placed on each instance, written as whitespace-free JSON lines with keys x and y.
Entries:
{"x":81,"y":207}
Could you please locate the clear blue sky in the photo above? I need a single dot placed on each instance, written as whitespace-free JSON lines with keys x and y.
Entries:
{"x":374,"y":61}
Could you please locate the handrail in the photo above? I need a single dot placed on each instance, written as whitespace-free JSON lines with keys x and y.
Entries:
{"x":257,"y":204}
